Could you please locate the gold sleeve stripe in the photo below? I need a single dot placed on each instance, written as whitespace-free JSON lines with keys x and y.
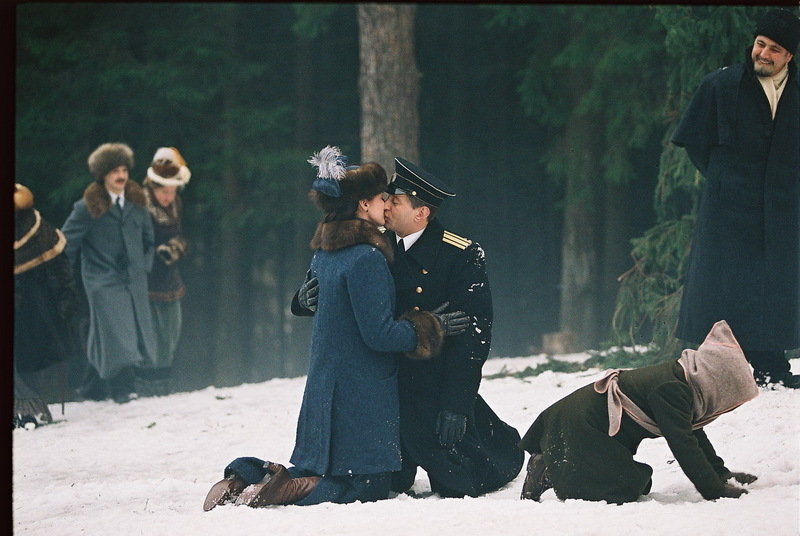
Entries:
{"x":454,"y":240}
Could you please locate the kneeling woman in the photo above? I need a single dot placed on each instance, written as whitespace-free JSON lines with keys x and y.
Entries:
{"x":347,"y":442}
{"x":583,"y":445}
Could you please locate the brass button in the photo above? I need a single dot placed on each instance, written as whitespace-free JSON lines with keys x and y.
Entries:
{"x":424,"y":271}
{"x":419,"y":290}
{"x":416,"y":308}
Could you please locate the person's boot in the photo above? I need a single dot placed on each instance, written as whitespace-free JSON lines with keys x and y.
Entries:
{"x":92,"y":386}
{"x":536,"y":481}
{"x":277,"y":487}
{"x":122,"y":386}
{"x":223,"y":492}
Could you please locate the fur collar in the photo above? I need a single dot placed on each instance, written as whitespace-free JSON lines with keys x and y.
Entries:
{"x":170,"y":215}
{"x":98,"y":202}
{"x":335,"y":235}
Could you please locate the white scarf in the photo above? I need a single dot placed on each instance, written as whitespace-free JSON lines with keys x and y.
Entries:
{"x":773,"y":88}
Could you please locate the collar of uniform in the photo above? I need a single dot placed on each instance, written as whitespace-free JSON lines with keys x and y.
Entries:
{"x":428,"y":244}
{"x":411,"y":239}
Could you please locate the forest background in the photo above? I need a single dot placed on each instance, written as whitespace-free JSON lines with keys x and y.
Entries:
{"x":551,"y":122}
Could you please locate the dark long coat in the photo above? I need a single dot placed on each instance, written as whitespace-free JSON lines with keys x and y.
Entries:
{"x":583,"y":462}
{"x":45,"y":294}
{"x":115,"y":252}
{"x":443,"y":267}
{"x":744,"y":266}
{"x":349,"y":419}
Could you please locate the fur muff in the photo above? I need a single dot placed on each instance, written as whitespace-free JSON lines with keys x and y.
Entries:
{"x":430,"y":334}
{"x":109,"y":156}
{"x":335,"y":235}
{"x":98,"y":200}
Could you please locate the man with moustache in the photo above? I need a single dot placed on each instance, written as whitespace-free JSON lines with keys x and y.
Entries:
{"x":446,"y":427}
{"x":110,"y":237}
{"x":742,"y":132}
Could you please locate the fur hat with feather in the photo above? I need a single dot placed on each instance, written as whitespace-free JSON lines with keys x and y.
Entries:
{"x":338,"y":187}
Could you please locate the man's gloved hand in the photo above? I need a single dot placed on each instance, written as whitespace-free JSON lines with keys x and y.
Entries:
{"x":733,"y":492}
{"x":308,"y":294}
{"x":454,"y":323}
{"x":450,"y":427}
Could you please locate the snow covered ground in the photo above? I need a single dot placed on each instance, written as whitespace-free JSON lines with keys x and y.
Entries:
{"x":144,"y":469}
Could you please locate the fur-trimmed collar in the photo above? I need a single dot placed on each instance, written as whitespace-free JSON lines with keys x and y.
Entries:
{"x":98,"y":201}
{"x":335,"y":235}
{"x":170,"y":215}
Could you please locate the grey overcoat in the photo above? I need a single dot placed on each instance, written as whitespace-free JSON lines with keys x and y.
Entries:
{"x":115,"y":252}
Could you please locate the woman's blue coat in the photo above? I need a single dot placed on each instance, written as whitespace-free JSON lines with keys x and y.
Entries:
{"x":349,"y":419}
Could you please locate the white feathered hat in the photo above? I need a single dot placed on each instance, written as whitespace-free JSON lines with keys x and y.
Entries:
{"x":169,"y":168}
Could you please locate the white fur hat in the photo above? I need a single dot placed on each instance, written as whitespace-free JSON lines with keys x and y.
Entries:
{"x":169,"y":168}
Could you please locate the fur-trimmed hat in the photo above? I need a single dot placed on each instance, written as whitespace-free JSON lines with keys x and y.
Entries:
{"x":169,"y":168}
{"x":339,"y":187}
{"x":782,"y":26}
{"x":107,"y":157}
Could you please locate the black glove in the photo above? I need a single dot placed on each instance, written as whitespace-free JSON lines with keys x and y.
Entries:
{"x":742,"y":478}
{"x":733,"y":492}
{"x":450,"y":427}
{"x":454,"y":323}
{"x":308,"y":294}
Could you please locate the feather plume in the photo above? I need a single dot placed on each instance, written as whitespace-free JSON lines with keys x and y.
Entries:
{"x":330,"y":163}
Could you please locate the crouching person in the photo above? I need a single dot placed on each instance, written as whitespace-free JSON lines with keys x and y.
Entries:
{"x":583,"y":445}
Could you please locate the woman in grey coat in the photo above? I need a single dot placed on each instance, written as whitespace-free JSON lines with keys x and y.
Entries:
{"x":347,"y":442}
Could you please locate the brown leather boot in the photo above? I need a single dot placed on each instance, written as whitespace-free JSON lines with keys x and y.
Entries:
{"x":224,"y":491}
{"x":536,"y":481}
{"x":277,"y":487}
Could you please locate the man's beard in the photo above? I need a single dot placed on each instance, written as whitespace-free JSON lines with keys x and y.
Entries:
{"x":764,"y":70}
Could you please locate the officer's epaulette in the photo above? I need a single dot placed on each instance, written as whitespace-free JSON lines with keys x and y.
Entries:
{"x":454,"y":240}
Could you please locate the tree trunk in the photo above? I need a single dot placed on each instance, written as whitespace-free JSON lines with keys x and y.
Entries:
{"x":579,"y":292}
{"x":388,"y":83}
{"x":616,"y":247}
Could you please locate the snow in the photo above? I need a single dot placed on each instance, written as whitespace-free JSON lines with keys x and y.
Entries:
{"x":144,"y":468}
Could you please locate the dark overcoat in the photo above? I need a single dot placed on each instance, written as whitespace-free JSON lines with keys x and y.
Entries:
{"x":583,"y":462}
{"x":443,"y":267}
{"x":349,"y":418}
{"x":743,"y":265}
{"x":45,"y":294}
{"x":115,"y":251}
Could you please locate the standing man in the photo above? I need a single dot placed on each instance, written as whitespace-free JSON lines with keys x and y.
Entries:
{"x":445,"y":426}
{"x":742,"y":131}
{"x":110,"y":231}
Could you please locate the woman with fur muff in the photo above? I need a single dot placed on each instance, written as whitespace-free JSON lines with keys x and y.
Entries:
{"x":166,"y":177}
{"x":45,"y":301}
{"x":583,"y":445}
{"x":347,"y":441}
